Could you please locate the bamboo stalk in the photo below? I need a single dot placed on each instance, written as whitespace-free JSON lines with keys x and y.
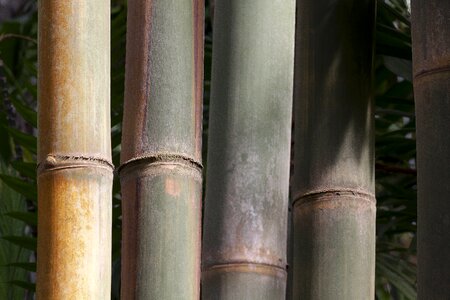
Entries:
{"x":161,"y":150}
{"x":334,"y":202}
{"x":74,"y":156}
{"x":431,"y":61}
{"x":245,"y":223}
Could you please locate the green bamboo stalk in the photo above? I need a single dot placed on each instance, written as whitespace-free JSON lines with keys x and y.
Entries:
{"x":431,"y":60}
{"x":334,"y":202}
{"x":160,"y":169}
{"x":245,"y":223}
{"x":74,"y":150}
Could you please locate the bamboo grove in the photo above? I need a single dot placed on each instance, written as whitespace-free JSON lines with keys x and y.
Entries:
{"x":270,"y":194}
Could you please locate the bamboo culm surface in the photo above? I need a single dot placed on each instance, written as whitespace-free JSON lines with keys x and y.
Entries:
{"x":160,"y":169}
{"x":244,"y":242}
{"x":333,"y":187}
{"x":74,"y":157}
{"x":431,"y":63}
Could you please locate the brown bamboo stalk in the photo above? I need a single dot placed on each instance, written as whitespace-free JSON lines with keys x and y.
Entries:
{"x":160,"y":169}
{"x":431,"y":60}
{"x":74,"y":156}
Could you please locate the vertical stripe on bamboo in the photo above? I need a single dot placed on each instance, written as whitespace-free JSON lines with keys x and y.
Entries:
{"x":160,"y":169}
{"x":431,"y":61}
{"x":245,"y":223}
{"x":334,"y":202}
{"x":74,"y":156}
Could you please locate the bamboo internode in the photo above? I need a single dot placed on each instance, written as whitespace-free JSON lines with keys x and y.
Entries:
{"x":245,"y":223}
{"x":160,"y":169}
{"x":74,"y":156}
{"x":431,"y":61}
{"x":334,"y":202}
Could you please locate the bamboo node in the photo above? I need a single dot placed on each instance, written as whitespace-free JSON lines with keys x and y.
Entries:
{"x":332,"y":194}
{"x":245,"y":267}
{"x":50,"y":161}
{"x":431,"y":71}
{"x":165,"y":158}
{"x":58,"y":162}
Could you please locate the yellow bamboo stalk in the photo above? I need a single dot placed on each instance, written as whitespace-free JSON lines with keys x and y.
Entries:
{"x":74,"y":156}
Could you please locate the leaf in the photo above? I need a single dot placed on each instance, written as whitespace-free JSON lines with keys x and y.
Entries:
{"x":115,"y":280}
{"x":395,"y":100}
{"x":27,"y":141}
{"x":27,"y":169}
{"x":26,"y":242}
{"x":26,"y":112}
{"x":10,"y":201}
{"x":116,"y":138}
{"x":28,"y":266}
{"x":29,"y":218}
{"x":391,"y":46}
{"x":22,"y":87}
{"x":395,"y":33}
{"x":397,"y":279}
{"x":23,"y":284}
{"x":8,"y":47}
{"x":402,"y":89}
{"x":401,"y":67}
{"x":384,"y":8}
{"x":6,"y":143}
{"x":24,"y":188}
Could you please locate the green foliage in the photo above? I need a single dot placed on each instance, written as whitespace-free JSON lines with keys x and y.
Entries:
{"x":118,"y":45}
{"x":18,"y":55}
{"x":395,"y":148}
{"x":10,"y":202}
{"x":396,"y":185}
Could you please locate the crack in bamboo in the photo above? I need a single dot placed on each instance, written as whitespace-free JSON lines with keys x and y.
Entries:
{"x":330,"y":195}
{"x":59,"y":162}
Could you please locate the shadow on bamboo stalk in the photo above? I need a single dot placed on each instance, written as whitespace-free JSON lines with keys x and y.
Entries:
{"x":334,"y":202}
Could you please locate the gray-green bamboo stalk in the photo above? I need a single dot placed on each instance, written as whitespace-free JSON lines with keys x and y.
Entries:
{"x":244,"y":245}
{"x":160,"y":169}
{"x":431,"y":58}
{"x":74,"y":150}
{"x":334,"y":202}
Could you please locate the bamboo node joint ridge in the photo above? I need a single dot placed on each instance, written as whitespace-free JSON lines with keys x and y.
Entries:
{"x":58,"y":162}
{"x":246,"y":267}
{"x":332,"y":194}
{"x":424,"y":73}
{"x":162,"y":158}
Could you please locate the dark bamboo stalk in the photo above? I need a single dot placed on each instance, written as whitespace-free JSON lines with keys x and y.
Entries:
{"x":161,"y":150}
{"x":244,"y":245}
{"x":431,"y":60}
{"x":334,"y":202}
{"x":74,"y":154}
